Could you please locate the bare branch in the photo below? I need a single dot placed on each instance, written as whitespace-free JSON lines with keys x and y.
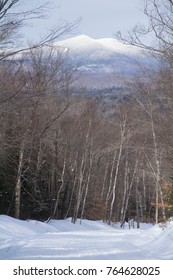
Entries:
{"x":11,"y":22}
{"x":159,"y":28}
{"x":5,"y":6}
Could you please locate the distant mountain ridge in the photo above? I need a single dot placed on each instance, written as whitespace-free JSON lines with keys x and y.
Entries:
{"x":85,"y":43}
{"x":101,"y":56}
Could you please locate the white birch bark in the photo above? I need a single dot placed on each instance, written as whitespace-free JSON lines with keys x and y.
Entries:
{"x":123,"y":127}
{"x":18,"y":181}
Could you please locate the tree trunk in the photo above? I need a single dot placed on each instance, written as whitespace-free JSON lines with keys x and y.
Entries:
{"x":117,"y":169}
{"x":55,"y":212}
{"x":18,"y":181}
{"x":87,"y":187}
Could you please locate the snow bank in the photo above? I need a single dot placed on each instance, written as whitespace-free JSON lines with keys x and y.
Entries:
{"x":11,"y":227}
{"x":162,"y":243}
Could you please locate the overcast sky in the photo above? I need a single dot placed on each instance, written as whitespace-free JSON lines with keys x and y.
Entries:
{"x":99,"y":18}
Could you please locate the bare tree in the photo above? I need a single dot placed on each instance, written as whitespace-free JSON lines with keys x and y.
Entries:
{"x":159,"y":30}
{"x":11,"y":21}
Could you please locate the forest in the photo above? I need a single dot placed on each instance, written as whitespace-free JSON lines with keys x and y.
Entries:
{"x":62,"y":155}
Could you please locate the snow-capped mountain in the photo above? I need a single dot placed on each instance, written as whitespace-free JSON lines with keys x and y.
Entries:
{"x":86,"y":43}
{"x":106,"y":55}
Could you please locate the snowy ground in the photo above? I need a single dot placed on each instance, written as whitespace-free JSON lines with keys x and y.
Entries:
{"x":87,"y":241}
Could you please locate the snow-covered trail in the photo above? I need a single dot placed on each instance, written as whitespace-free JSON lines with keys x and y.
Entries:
{"x":89,"y":241}
{"x":84,"y":245}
